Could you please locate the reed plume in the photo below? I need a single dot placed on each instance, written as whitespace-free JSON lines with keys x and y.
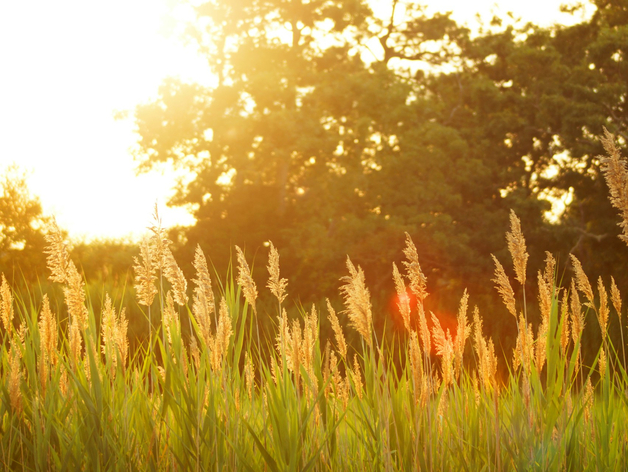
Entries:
{"x":403,"y":301}
{"x":418,"y":281}
{"x":485,"y":351}
{"x":416,"y":364}
{"x":114,"y":334}
{"x":463,"y":330}
{"x":357,"y":377}
{"x":616,"y":175}
{"x":310,"y":335}
{"x":445,"y":349}
{"x":108,"y":329}
{"x":203,"y":305}
{"x":159,"y":242}
{"x":15,"y":374}
{"x":502,"y":284}
{"x":517,"y":248}
{"x":357,"y":301}
{"x":603,"y":312}
{"x":223,"y":330}
{"x":577,"y":317}
{"x":76,"y":340}
{"x":174,"y":275}
{"x":75,"y":296}
{"x":341,"y":343}
{"x":48,"y":339}
{"x":283,"y":338}
{"x":6,"y":299}
{"x":616,"y":298}
{"x":418,"y":286}
{"x":249,"y":374}
{"x":293,"y":355}
{"x":582,"y":281}
{"x":276,"y":284}
{"x":564,"y":319}
{"x":144,"y":269}
{"x":58,"y":257}
{"x":64,"y":271}
{"x":170,"y":319}
{"x":524,"y":353}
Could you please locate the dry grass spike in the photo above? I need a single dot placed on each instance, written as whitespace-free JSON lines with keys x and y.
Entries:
{"x":245,"y":280}
{"x":276,"y":284}
{"x":517,"y":248}
{"x":357,"y":301}
{"x":616,"y":175}
{"x":502,"y":284}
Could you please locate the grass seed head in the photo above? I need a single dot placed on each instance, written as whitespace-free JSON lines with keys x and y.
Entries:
{"x":224,"y":329}
{"x":603,"y":312}
{"x":403,"y":301}
{"x":122,"y":341}
{"x":203,"y":305}
{"x":341,"y":343}
{"x":175,"y":276}
{"x":463,"y":330}
{"x":357,"y":377}
{"x":541,"y":345}
{"x":545,"y":298}
{"x":245,"y":280}
{"x":75,"y":296}
{"x":15,"y":374}
{"x":577,"y":317}
{"x":76,"y":340}
{"x":616,"y":175}
{"x":108,"y":329}
{"x":418,"y":281}
{"x":588,"y":400}
{"x":283,"y":339}
{"x":6,"y":299}
{"x":144,"y":269}
{"x":48,"y":338}
{"x":445,"y":349}
{"x":517,"y":248}
{"x":416,"y":364}
{"x":616,"y":297}
{"x":502,"y":284}
{"x":276,"y":284}
{"x":357,"y":301}
{"x":310,"y":335}
{"x":249,"y":374}
{"x":564,"y":317}
{"x":582,"y":281}
{"x":58,"y":256}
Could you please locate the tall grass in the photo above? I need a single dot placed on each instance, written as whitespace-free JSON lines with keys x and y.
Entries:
{"x":79,"y":399}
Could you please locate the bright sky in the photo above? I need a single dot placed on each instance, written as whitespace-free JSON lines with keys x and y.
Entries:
{"x":67,"y":66}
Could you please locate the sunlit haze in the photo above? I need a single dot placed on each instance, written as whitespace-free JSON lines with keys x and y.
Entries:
{"x":68,"y":66}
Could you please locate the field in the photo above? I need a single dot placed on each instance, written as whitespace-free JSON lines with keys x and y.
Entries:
{"x":73,"y":396}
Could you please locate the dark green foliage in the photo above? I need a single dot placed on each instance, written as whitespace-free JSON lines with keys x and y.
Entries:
{"x":331,"y":131}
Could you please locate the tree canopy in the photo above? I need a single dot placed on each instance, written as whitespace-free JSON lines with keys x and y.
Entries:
{"x":331,"y":130}
{"x":21,"y":228}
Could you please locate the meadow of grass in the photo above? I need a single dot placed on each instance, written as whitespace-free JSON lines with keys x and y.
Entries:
{"x":217,"y":395}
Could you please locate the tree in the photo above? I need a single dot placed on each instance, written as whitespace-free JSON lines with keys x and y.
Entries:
{"x":305,"y":142}
{"x":286,"y":145}
{"x":22,"y":226}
